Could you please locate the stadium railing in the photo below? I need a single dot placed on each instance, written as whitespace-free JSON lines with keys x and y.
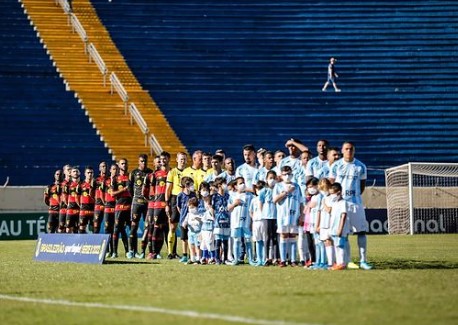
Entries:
{"x":135,"y":115}
{"x":117,"y":85}
{"x":77,"y":27}
{"x":95,"y":56}
{"x":155,"y":147}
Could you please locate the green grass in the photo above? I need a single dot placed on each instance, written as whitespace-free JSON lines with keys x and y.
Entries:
{"x":414,"y":282}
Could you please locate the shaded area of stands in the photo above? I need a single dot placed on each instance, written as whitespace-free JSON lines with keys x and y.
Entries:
{"x":42,"y":126}
{"x":226,"y":73}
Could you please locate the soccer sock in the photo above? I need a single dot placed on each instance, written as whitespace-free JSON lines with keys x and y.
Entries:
{"x":249,"y":250}
{"x":317,"y":254}
{"x":362,"y":244}
{"x":115,"y":243}
{"x":225,"y":249}
{"x":293,"y":246}
{"x":260,"y":249}
{"x":236,"y":249}
{"x":213,"y":255}
{"x":171,"y":239}
{"x":323,"y":253}
{"x":218,"y":249}
{"x":329,"y":254}
{"x":283,"y":248}
{"x":347,"y":252}
{"x":124,"y":239}
{"x":340,"y":255}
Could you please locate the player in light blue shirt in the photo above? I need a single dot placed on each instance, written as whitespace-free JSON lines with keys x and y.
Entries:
{"x":290,"y":206}
{"x":269,"y":213}
{"x":248,"y":170}
{"x":315,"y":164}
{"x":238,"y":206}
{"x":261,"y":175}
{"x":332,"y":157}
{"x":352,"y":174}
{"x":295,"y":148}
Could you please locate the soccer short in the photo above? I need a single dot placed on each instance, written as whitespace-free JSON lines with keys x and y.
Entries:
{"x":98,"y":214}
{"x":222,"y":233}
{"x":71,"y":221}
{"x":174,"y":214}
{"x":122,"y":218}
{"x":325,"y":234}
{"x":62,"y":216}
{"x":207,"y":240}
{"x":340,"y":242}
{"x":260,"y":230}
{"x":193,"y":238}
{"x":160,"y":218}
{"x":53,"y":218}
{"x":290,"y":229}
{"x":241,"y":232}
{"x":184,"y":233}
{"x":138,"y":211}
{"x":357,"y":217}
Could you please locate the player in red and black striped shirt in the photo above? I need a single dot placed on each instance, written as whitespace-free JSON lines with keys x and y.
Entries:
{"x":109,"y":208}
{"x":120,"y":187}
{"x":99,"y":203}
{"x":52,"y":200}
{"x":64,"y":198}
{"x":87,"y":199}
{"x":158,"y":227}
{"x":73,"y":208}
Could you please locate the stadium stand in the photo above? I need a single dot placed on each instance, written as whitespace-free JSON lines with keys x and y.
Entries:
{"x":42,"y":126}
{"x":226,"y":73}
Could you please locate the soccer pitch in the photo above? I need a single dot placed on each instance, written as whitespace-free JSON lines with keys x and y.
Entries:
{"x":414,"y":282}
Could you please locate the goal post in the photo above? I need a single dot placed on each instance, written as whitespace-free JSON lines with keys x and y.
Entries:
{"x":422,"y":198}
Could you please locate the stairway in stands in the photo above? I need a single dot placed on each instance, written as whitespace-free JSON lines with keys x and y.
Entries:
{"x":42,"y":126}
{"x":231,"y":72}
{"x":105,"y":110}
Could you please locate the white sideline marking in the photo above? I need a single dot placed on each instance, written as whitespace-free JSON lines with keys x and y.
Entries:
{"x":174,"y":312}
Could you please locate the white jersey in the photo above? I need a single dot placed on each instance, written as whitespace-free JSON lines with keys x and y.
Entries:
{"x":316,"y":202}
{"x":247,"y":172}
{"x":313,"y":167}
{"x":240,"y":216}
{"x":269,"y":209}
{"x":349,"y":175}
{"x":337,"y":209}
{"x":325,"y":217}
{"x":261,"y":175}
{"x":212,"y":176}
{"x":324,"y":171}
{"x":288,"y":209}
{"x":294,"y":163}
{"x":255,"y":209}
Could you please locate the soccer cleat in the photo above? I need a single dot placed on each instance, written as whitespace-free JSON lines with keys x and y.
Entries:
{"x":150,"y":256}
{"x":170,"y":257}
{"x":293,"y":264}
{"x":158,"y":256}
{"x":338,"y":267}
{"x":176,"y":255}
{"x":308,"y":263}
{"x":365,"y":266}
{"x":141,"y":255}
{"x":114,"y":255}
{"x":338,"y":90}
{"x":130,"y":254}
{"x":184,"y":259}
{"x":282,"y":264}
{"x":352,"y":266}
{"x":212,"y":261}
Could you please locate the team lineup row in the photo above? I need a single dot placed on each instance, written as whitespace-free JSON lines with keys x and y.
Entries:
{"x":286,"y":205}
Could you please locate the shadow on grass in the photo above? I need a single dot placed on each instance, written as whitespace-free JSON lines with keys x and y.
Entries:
{"x":400,"y":264}
{"x":127,"y":262}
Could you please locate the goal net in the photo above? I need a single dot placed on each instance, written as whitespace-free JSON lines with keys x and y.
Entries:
{"x":422,"y":198}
